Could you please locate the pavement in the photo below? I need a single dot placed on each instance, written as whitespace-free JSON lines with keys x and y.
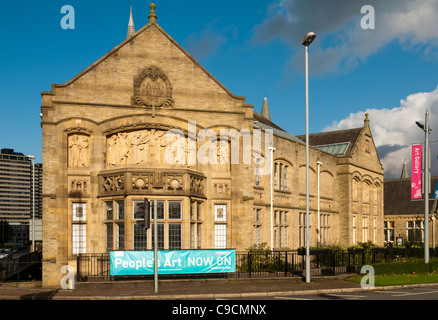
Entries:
{"x":192,"y":289}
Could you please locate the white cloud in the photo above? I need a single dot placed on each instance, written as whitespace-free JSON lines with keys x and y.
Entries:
{"x":341,"y":42}
{"x":394,"y":130}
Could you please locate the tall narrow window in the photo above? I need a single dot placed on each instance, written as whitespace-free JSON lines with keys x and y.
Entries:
{"x":275,"y":175}
{"x":109,"y":237}
{"x":114,"y":225}
{"x":120,"y":229}
{"x":285,"y":177}
{"x":302,"y":227}
{"x":174,"y":236}
{"x":160,"y":233}
{"x":79,"y":228}
{"x":257,"y":174}
{"x":220,"y":236}
{"x":79,"y":236}
{"x":281,"y":176}
{"x":354,"y":229}
{"x":365,"y":229}
{"x":220,"y":227}
{"x":198,"y":235}
{"x":140,"y":237}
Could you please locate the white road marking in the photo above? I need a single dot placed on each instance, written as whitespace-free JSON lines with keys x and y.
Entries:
{"x":414,"y":294}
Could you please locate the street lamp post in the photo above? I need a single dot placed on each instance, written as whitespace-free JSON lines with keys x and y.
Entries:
{"x":308,"y":39}
{"x":272,"y":149}
{"x":426,"y":184}
{"x":33,"y":201}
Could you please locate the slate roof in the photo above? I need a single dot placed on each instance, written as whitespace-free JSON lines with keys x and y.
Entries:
{"x":336,"y":142}
{"x":397,"y":198}
{"x":261,"y":122}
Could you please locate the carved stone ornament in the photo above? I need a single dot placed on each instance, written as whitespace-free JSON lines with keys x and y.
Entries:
{"x":78,"y":151}
{"x":152,"y":88}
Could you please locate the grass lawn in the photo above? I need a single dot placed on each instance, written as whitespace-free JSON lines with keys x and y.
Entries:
{"x":399,"y":279}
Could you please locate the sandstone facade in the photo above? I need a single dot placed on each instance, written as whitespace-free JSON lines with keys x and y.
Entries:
{"x":105,"y":149}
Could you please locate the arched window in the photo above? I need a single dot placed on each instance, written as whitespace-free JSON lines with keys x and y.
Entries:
{"x":281,"y":176}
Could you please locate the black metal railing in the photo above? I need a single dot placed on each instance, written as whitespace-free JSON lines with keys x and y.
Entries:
{"x":258,"y":264}
{"x":10,"y":267}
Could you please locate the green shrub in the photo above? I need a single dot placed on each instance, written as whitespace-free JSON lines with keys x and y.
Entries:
{"x":415,"y":266}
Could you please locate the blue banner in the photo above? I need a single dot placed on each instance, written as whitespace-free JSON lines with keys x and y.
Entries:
{"x":125,"y":263}
{"x":435,"y":194}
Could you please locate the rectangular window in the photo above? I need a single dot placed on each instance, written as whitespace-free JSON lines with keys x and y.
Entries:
{"x":285,"y":237}
{"x":198,"y":211}
{"x":138,"y":207}
{"x":354,"y":229}
{"x":79,"y":212}
{"x":415,"y":231}
{"x":220,"y":236}
{"x":198,"y":235}
{"x":109,"y":210}
{"x":192,"y":235}
{"x":388,"y":229}
{"x":160,"y":233}
{"x":174,"y":236}
{"x":257,"y":176}
{"x":140,"y":238}
{"x":109,"y":234}
{"x":281,"y":176}
{"x":285,"y":178}
{"x":79,"y":237}
{"x":258,"y":241}
{"x":174,"y":208}
{"x":365,"y":229}
{"x":192,"y":210}
{"x":275,"y":175}
{"x":325,"y":226}
{"x":302,"y":227}
{"x":120,"y":228}
{"x":120,"y":210}
{"x":220,"y":212}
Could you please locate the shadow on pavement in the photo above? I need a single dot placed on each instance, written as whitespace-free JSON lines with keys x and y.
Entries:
{"x":47,"y":295}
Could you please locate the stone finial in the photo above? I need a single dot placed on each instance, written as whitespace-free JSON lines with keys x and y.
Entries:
{"x":366,"y":118}
{"x":152,"y":16}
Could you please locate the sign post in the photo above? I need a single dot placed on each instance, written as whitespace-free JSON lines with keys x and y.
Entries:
{"x":155,"y":248}
{"x":416,"y":173}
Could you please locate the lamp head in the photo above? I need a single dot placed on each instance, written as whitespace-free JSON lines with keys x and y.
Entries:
{"x":308,"y":39}
{"x":420,"y":125}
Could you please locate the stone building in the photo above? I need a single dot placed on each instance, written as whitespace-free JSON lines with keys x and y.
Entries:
{"x":107,"y":146}
{"x":404,"y":217}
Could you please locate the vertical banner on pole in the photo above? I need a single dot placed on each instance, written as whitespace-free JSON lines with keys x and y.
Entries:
{"x":416,"y":171}
{"x":435,"y":194}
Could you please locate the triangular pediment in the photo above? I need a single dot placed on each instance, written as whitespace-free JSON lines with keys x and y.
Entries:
{"x":149,"y":69}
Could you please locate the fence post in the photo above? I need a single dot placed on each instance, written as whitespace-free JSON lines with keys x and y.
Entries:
{"x":285,"y":263}
{"x":77,"y":267}
{"x":334,"y":262}
{"x":293,"y":262}
{"x":249,"y":264}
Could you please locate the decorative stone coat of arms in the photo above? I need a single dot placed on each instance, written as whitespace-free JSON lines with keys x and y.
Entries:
{"x":152,"y":88}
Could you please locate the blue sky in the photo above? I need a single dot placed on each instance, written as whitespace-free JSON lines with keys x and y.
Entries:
{"x":253,"y":48}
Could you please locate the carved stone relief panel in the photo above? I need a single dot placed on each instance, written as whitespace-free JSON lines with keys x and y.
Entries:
{"x":78,"y":151}
{"x":142,"y":147}
{"x":78,"y":187}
